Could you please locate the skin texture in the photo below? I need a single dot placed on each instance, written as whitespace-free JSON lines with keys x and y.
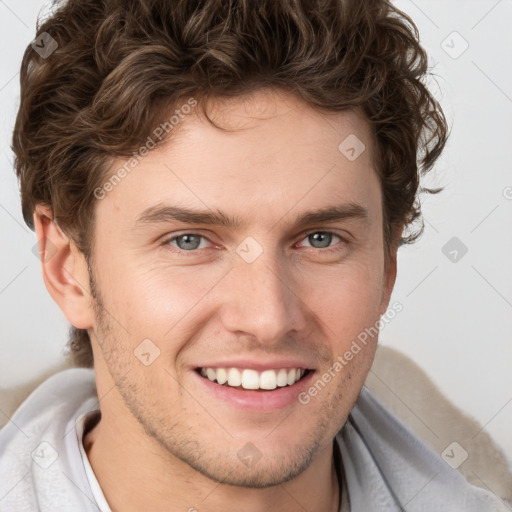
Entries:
{"x":164,"y":442}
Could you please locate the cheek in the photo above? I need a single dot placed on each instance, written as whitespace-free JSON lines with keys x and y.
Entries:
{"x":158,"y":301}
{"x":346,"y":299}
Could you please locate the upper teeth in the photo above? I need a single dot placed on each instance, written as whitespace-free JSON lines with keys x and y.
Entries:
{"x":251,"y":379}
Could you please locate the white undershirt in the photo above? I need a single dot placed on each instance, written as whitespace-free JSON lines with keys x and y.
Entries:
{"x":97,"y":493}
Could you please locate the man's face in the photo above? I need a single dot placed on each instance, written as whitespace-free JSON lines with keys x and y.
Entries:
{"x":176,"y":296}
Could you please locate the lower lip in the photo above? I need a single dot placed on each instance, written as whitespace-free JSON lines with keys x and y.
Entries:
{"x":259,"y":401}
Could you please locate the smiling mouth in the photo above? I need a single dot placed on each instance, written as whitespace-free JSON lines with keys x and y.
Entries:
{"x":248,"y":379}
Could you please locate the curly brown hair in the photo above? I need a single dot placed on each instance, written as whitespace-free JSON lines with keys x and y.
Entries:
{"x":120,"y":66}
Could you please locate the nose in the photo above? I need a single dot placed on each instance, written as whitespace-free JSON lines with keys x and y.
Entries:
{"x":261,"y":299}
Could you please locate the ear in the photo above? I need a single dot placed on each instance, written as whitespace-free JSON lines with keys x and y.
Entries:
{"x":390,"y":270}
{"x":65,"y":272}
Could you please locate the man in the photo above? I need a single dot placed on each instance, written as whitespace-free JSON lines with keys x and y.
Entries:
{"x":219,"y":190}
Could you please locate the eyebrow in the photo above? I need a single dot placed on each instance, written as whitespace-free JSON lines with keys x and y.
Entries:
{"x":162,"y":213}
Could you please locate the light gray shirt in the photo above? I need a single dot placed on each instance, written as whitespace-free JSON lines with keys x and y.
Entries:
{"x":381,"y":464}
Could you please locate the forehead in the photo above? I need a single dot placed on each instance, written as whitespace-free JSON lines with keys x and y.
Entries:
{"x":270,"y":156}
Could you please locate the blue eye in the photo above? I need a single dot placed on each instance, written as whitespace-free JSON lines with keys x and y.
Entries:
{"x":187,"y":241}
{"x":321,"y":239}
{"x":192,"y":242}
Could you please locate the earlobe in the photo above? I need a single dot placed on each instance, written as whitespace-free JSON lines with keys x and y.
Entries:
{"x":64,"y":268}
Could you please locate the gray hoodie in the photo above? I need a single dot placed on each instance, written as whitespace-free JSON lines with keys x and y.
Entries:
{"x":383,"y":466}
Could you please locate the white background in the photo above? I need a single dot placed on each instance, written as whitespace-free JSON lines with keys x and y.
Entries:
{"x":457,"y":317}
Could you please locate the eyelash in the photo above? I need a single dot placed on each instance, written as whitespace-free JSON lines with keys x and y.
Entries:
{"x":193,"y":252}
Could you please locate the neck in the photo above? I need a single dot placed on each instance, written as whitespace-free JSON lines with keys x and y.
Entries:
{"x":153,"y":479}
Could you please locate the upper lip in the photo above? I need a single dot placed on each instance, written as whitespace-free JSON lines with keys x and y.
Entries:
{"x":252,"y":364}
